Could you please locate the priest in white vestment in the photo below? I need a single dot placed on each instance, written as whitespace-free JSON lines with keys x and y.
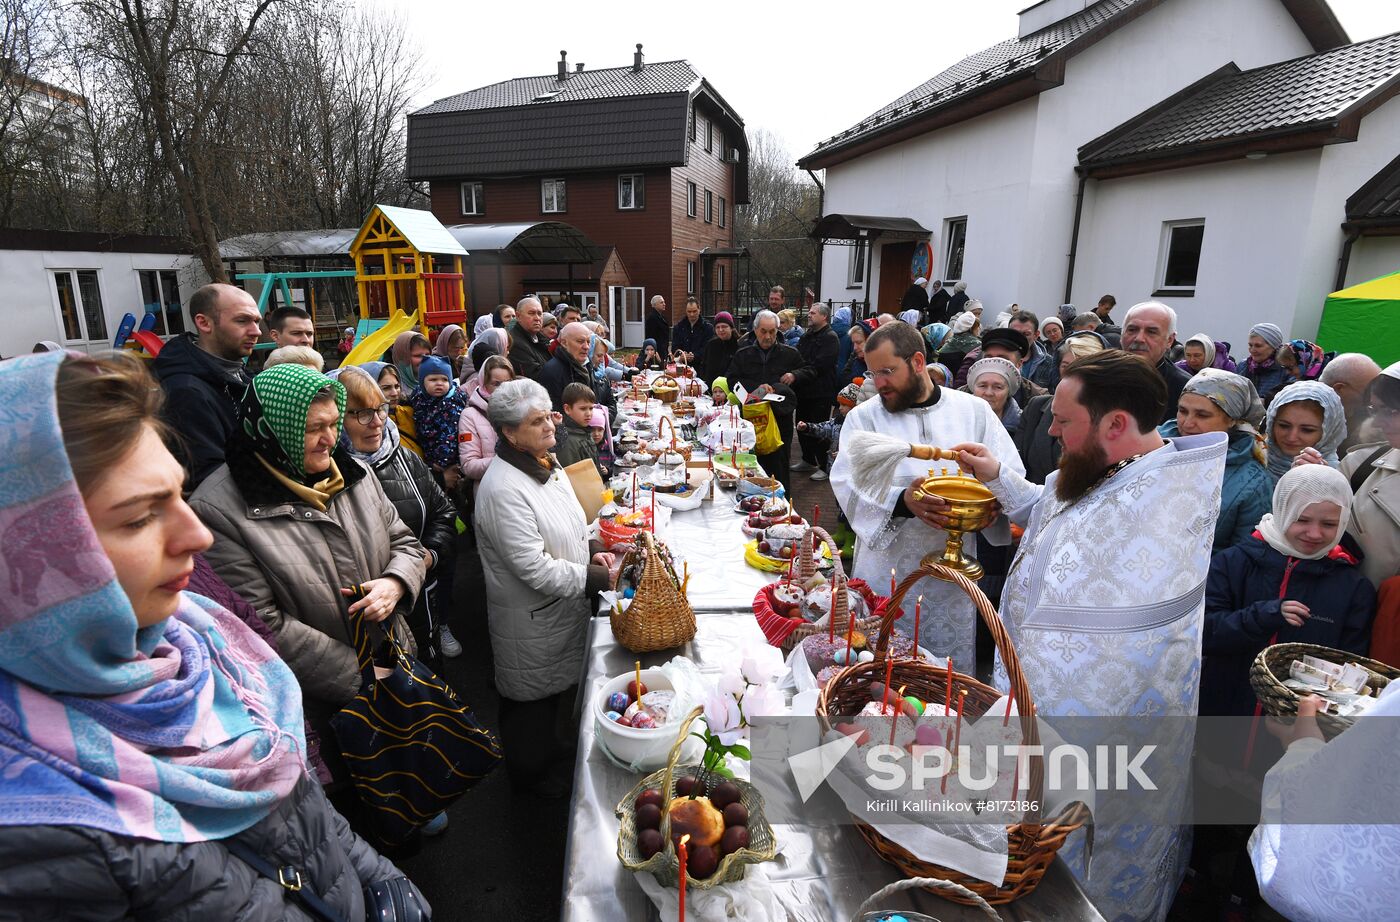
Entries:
{"x":1105,"y":599}
{"x":894,"y":531}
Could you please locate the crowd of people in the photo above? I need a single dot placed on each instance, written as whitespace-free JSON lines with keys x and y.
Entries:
{"x":1254,"y":499}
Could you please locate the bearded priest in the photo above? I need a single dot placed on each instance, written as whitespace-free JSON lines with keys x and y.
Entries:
{"x":896,"y":529}
{"x":1105,"y":598}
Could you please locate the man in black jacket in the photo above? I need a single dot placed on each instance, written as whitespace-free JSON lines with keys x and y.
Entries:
{"x":568,"y":365}
{"x":1149,"y":329}
{"x":529,"y":348}
{"x":760,"y":368}
{"x":691,"y":334}
{"x":815,"y":385}
{"x":658,"y":325}
{"x":203,"y":376}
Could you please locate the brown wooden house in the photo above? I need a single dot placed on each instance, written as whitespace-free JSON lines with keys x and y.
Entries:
{"x":647,"y":160}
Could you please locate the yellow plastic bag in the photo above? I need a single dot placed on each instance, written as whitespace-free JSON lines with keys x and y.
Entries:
{"x":765,"y":427}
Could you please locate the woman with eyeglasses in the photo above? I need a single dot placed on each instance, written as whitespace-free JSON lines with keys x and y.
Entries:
{"x":298,"y":522}
{"x":370,"y":436}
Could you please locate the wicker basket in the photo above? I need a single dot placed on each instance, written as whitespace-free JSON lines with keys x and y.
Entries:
{"x":777,"y":626}
{"x":665,"y":865}
{"x":613,"y":533}
{"x":1031,"y":844}
{"x":660,"y":616}
{"x":1270,"y":668}
{"x":666,"y":389}
{"x":684,"y":449}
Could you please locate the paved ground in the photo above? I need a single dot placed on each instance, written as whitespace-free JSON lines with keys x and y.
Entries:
{"x":502,"y":857}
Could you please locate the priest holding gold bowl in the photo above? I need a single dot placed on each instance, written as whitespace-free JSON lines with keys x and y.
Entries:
{"x":898,"y":513}
{"x":1105,"y":599}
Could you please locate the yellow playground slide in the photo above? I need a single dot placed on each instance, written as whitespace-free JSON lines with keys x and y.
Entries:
{"x":375,"y":344}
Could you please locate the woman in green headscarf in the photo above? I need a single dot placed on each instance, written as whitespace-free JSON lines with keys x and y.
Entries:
{"x":297,"y":523}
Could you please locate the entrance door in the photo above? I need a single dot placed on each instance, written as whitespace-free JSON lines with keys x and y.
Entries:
{"x":633,"y":317}
{"x":895,"y":259}
{"x":586,"y":299}
{"x":78,"y":297}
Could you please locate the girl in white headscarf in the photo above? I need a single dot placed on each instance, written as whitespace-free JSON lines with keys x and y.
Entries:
{"x":1291,"y":583}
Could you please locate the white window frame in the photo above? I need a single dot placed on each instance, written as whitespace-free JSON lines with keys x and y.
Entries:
{"x":478,"y":203}
{"x":557,"y":192}
{"x":855,"y":265}
{"x":690,"y":277}
{"x":163,"y":314}
{"x":709,"y":207}
{"x":81,"y":313}
{"x":691,"y":197}
{"x":949,"y":227}
{"x":637,"y":182}
{"x":709,"y":136}
{"x":1169,"y":228}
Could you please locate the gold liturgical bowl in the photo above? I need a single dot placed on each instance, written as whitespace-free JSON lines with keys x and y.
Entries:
{"x":972,"y":509}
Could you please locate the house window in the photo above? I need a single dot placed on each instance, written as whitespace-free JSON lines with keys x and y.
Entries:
{"x":709,"y":207}
{"x":690,"y":199}
{"x":956,"y":235}
{"x":1180,"y":258}
{"x":473,"y":202}
{"x":855,"y":268}
{"x":631,"y":191}
{"x":719,"y":277}
{"x":690,"y":277}
{"x":723,"y":213}
{"x":80,"y":305}
{"x":160,"y":293}
{"x":553,"y":199}
{"x":709,"y":136}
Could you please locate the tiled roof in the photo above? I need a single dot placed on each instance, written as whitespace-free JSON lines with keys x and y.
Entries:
{"x":1012,"y":58}
{"x":1232,"y":105}
{"x":608,"y":83}
{"x":1378,"y":202}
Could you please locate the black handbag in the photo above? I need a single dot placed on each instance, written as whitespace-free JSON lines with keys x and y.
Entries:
{"x":392,"y":899}
{"x":411,"y":745}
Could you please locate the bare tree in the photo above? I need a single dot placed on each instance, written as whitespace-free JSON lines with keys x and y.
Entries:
{"x":783,"y":206}
{"x":177,"y":58}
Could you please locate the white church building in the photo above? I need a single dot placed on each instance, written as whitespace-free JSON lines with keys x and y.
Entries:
{"x":1235,"y":159}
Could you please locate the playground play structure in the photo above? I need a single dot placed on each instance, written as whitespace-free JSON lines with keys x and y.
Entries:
{"x":407,"y":276}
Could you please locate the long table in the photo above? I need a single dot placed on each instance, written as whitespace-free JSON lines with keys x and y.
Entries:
{"x":824,"y":872}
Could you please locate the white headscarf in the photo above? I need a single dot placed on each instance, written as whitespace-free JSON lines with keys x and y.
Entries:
{"x":1206,"y":343}
{"x":1297,"y":490}
{"x":964,"y":321}
{"x":998,"y":366}
{"x":910,"y":317}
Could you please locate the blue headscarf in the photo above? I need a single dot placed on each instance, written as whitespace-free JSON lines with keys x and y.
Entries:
{"x":1334,"y":423}
{"x":187,"y":730}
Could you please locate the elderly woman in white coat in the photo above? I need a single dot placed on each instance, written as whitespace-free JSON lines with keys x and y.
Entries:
{"x":540,"y":574}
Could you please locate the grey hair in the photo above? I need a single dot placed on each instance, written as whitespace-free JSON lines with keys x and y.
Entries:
{"x":655,"y":298}
{"x":1155,"y":305}
{"x":820,"y":308}
{"x":1349,"y":365}
{"x":520,"y":305}
{"x":764,"y":314}
{"x":514,"y":400}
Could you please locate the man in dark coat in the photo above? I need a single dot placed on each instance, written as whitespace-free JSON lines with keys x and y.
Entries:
{"x":203,"y":375}
{"x":760,"y":368}
{"x":815,"y":385}
{"x":529,"y":347}
{"x":658,"y":326}
{"x":938,"y":303}
{"x":1149,"y":329}
{"x":1107,"y":328}
{"x":916,"y":298}
{"x":568,"y":365}
{"x":691,"y":334}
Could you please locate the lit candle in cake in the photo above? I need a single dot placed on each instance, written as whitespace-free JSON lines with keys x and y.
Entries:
{"x":918,"y":603}
{"x":681,"y":848}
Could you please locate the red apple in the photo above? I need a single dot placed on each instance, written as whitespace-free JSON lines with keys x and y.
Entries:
{"x":650,"y":796}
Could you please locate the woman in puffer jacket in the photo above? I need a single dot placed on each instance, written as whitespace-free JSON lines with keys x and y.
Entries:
{"x":152,"y":733}
{"x":373,"y":439}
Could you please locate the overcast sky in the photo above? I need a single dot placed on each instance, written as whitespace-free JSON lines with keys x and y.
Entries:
{"x":803,"y":71}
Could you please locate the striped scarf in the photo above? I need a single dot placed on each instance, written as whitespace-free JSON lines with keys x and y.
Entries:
{"x":184,"y":731}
